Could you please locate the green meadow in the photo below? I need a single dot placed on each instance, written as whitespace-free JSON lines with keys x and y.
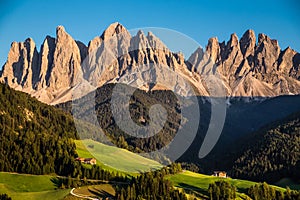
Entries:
{"x":191,"y":181}
{"x":23,"y":186}
{"x":113,"y":158}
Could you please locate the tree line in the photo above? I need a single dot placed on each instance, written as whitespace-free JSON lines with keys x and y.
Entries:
{"x":272,"y":153}
{"x":139,"y":106}
{"x":223,"y":190}
{"x":35,"y":138}
{"x":262,"y":191}
{"x":82,"y":175}
{"x":38,"y":139}
{"x":152,"y":186}
{"x":4,"y":197}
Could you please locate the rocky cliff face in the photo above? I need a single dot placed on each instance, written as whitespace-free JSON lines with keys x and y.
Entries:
{"x":21,"y":67}
{"x":251,"y":69}
{"x":47,"y":74}
{"x":246,"y":68}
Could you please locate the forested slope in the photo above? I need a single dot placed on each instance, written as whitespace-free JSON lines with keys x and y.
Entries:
{"x":272,"y":153}
{"x":35,"y":138}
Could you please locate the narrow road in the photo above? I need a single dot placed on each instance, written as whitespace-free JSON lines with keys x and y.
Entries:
{"x":81,"y":196}
{"x":92,"y":180}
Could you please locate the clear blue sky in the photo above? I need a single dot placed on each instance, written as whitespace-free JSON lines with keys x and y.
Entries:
{"x":198,"y":19}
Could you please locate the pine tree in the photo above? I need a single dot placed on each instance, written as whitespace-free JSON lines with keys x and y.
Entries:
{"x":4,"y":197}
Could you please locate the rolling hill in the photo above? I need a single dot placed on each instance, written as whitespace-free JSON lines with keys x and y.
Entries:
{"x":35,"y":138}
{"x":35,"y":187}
{"x":114,"y":158}
{"x":242,"y":118}
{"x":272,"y":153}
{"x":23,"y":186}
{"x":38,"y":138}
{"x":198,"y":183}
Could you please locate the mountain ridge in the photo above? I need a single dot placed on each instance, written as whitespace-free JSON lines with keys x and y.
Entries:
{"x":262,"y":160}
{"x":246,"y":67}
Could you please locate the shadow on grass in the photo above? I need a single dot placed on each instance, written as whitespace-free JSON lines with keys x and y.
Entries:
{"x":199,"y":191}
{"x":56,"y":181}
{"x":242,"y":190}
{"x":100,"y":193}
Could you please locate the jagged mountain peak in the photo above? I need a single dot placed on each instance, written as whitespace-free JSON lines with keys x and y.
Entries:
{"x":143,"y":41}
{"x":249,"y":34}
{"x":150,"y":34}
{"x":60,"y":29}
{"x":48,"y":42}
{"x":289,"y":49}
{"x":263,"y":39}
{"x":113,"y":30}
{"x":140,"y":33}
{"x":155,"y":42}
{"x":48,"y":37}
{"x":234,"y":40}
{"x":61,"y":34}
{"x":213,"y":41}
{"x":139,"y":41}
{"x":248,"y":43}
{"x":213,"y":48}
{"x":29,"y":40}
{"x":246,"y":67}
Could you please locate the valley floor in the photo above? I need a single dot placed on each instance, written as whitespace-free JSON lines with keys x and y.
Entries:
{"x":24,"y":186}
{"x":198,"y":184}
{"x":34,"y":187}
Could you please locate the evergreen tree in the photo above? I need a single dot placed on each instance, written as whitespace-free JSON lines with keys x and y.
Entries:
{"x":4,"y":197}
{"x":221,"y":190}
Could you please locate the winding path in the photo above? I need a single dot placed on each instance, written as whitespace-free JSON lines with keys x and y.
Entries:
{"x":81,"y":196}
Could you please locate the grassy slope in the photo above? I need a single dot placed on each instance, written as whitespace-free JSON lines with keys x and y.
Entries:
{"x":288,"y":182}
{"x":113,"y":158}
{"x":103,"y":191}
{"x":21,"y":186}
{"x":200,"y":182}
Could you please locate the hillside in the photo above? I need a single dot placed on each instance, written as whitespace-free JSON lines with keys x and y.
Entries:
{"x":20,"y":186}
{"x":113,"y":158}
{"x":242,"y":118}
{"x":35,"y":138}
{"x":24,"y":186}
{"x":272,"y":153}
{"x":256,"y":73}
{"x":140,"y":104}
{"x":199,"y":183}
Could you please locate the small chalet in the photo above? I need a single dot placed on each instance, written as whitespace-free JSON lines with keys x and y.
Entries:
{"x":91,"y":161}
{"x":221,"y":174}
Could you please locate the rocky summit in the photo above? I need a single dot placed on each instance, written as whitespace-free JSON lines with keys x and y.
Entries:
{"x":248,"y":67}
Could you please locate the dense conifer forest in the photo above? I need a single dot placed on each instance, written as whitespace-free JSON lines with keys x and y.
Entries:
{"x":35,"y":138}
{"x":271,"y":153}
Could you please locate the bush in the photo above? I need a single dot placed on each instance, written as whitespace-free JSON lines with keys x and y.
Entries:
{"x":221,"y":190}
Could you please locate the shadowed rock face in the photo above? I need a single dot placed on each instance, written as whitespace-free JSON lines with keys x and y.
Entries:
{"x":246,"y":68}
{"x":252,"y":69}
{"x":21,"y":68}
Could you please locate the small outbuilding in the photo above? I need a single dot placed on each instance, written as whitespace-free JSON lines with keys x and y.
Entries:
{"x":91,"y":161}
{"x":221,"y":174}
